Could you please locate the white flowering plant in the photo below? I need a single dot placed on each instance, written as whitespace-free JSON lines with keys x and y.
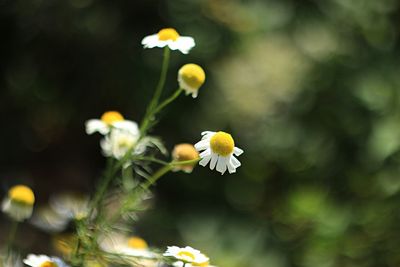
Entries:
{"x":100,"y":221}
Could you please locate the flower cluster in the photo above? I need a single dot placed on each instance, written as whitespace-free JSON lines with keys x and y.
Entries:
{"x":124,"y":188}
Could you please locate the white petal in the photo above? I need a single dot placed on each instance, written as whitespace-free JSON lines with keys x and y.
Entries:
{"x":214,"y":159}
{"x":127,"y":125}
{"x":205,"y":153}
{"x":106,"y":146}
{"x":205,"y":160}
{"x":221,"y":164}
{"x":235,"y":162}
{"x":94,"y":125}
{"x":150,"y":41}
{"x":231,"y":168}
{"x":207,"y":132}
{"x":183,"y":44}
{"x":201,"y":145}
{"x":237,"y":151}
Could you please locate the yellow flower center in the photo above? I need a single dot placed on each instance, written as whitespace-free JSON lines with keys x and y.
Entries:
{"x":137,"y":243}
{"x":111,"y":116}
{"x":22,"y":194}
{"x":222,"y":143}
{"x":168,"y":34}
{"x":186,"y":255}
{"x":184,"y":152}
{"x":193,"y":75}
{"x":48,"y":264}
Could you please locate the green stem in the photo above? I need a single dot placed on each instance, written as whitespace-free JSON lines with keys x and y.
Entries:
{"x":167,"y":101}
{"x":150,"y":159}
{"x":157,"y":175}
{"x":157,"y":94}
{"x":100,"y":192}
{"x":11,"y":237}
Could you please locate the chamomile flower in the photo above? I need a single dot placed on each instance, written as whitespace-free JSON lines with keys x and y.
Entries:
{"x":19,"y":203}
{"x":218,"y":149}
{"x":108,"y":121}
{"x":190,"y":78}
{"x":171,"y":38}
{"x":184,"y":152}
{"x":186,"y":255}
{"x":44,"y":261}
{"x":119,"y":142}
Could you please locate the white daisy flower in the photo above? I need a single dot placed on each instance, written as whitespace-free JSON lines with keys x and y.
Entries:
{"x":190,"y":78}
{"x":19,"y":203}
{"x":108,"y":121}
{"x":131,"y":246}
{"x":218,"y":149}
{"x":119,"y":142}
{"x":171,"y":38}
{"x":187,"y":255}
{"x":44,"y":261}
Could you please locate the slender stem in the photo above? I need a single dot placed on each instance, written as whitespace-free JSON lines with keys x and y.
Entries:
{"x":11,"y":237}
{"x":167,"y":101}
{"x":157,"y":175}
{"x":150,"y":159}
{"x":102,"y":188}
{"x":185,"y":162}
{"x":157,"y":94}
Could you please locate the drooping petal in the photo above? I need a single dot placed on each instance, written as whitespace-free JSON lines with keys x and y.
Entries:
{"x":214,"y":159}
{"x":94,"y":125}
{"x":150,"y":41}
{"x":205,"y":160}
{"x":183,"y":44}
{"x":201,"y":145}
{"x":127,"y":125}
{"x":221,"y":164}
{"x":235,"y":162}
{"x":231,"y":168}
{"x":237,"y":151}
{"x":205,"y":153}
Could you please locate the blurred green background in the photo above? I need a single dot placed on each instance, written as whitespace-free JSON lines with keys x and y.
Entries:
{"x":309,"y":89}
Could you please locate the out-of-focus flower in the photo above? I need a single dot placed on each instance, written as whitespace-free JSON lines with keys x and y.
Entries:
{"x":119,"y":142}
{"x":108,"y":121}
{"x":44,"y":261}
{"x":187,"y":255}
{"x":63,"y":207}
{"x":131,"y":246}
{"x":219,"y":148}
{"x":70,"y":205}
{"x":190,"y":78}
{"x":184,"y":152}
{"x":19,"y":203}
{"x":48,"y":220}
{"x":171,"y":38}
